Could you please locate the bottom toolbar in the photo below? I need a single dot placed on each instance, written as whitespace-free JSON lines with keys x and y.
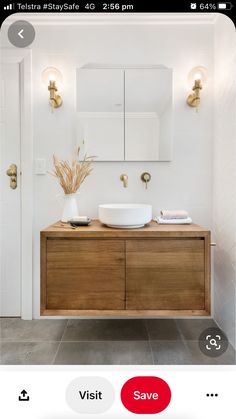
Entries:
{"x":117,"y":392}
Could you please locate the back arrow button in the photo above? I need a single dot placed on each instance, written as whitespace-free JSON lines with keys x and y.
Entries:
{"x":20,"y":34}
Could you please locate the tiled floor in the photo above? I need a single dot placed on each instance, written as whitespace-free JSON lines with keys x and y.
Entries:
{"x":133,"y":342}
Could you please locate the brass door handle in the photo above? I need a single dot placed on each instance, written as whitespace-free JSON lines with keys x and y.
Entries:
{"x":12,"y":173}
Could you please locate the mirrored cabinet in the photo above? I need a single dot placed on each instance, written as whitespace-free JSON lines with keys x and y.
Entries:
{"x":125,"y":114}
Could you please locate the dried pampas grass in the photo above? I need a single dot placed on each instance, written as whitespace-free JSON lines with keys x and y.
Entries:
{"x":71,"y":174}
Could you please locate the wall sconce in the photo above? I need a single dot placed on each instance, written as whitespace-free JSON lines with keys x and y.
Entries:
{"x":197,"y":77}
{"x":51,"y":77}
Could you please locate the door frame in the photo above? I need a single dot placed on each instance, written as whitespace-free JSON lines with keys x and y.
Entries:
{"x":23,"y":57}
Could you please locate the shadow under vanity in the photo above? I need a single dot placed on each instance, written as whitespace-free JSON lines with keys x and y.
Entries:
{"x":158,"y":270}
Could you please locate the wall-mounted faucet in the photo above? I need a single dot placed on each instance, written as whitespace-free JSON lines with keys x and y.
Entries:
{"x":145,"y":177}
{"x":124,"y":179}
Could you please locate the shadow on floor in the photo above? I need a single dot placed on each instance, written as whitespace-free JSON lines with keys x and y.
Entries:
{"x":106,"y":342}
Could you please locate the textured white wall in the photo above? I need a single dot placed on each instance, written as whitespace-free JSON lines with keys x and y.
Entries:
{"x":224,"y":185}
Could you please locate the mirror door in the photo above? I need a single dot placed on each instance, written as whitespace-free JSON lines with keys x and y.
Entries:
{"x":100,"y":106}
{"x":148,"y":107}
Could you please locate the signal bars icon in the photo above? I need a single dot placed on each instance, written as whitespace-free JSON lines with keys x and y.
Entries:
{"x":9,"y":7}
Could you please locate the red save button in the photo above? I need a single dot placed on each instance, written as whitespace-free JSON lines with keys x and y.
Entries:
{"x":145,"y":395}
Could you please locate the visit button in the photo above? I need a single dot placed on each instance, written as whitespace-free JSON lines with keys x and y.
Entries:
{"x":145,"y":395}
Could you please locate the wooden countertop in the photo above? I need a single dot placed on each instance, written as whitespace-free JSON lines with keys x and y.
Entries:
{"x":98,"y":230}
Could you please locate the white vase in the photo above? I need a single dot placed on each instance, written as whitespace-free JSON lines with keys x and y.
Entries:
{"x":70,"y":209}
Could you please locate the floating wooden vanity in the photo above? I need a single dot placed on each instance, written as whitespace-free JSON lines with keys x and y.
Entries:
{"x":157,"y":270}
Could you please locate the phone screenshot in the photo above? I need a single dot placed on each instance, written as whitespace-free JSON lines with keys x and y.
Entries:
{"x":117,"y":209}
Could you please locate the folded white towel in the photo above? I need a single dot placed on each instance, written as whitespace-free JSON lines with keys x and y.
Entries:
{"x":171,"y":214}
{"x":161,"y":220}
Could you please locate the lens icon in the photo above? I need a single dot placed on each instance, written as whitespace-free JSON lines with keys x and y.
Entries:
{"x":213,"y":342}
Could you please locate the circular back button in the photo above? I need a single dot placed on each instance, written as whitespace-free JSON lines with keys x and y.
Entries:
{"x":21,"y":33}
{"x":145,"y":395}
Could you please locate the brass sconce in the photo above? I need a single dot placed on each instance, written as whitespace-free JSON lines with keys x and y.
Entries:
{"x":197,"y":76}
{"x":51,"y":76}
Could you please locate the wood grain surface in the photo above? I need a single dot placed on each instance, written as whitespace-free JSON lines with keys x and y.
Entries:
{"x":157,"y":270}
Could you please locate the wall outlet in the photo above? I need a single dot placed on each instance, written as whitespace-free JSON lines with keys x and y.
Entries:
{"x":40,"y":167}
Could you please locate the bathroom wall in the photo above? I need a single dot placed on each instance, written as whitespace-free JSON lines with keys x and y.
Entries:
{"x":186,"y":181}
{"x":224,"y":179}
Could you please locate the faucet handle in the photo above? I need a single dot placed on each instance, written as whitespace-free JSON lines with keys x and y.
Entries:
{"x":124,"y":179}
{"x":145,"y":177}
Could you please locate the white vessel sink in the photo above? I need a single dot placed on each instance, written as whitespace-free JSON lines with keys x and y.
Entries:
{"x":125,"y":215}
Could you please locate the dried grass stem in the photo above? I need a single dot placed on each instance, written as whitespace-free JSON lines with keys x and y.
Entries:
{"x":71,"y":174}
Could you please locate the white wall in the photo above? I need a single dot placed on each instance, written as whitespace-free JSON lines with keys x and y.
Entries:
{"x":186,"y":182}
{"x":224,"y":190}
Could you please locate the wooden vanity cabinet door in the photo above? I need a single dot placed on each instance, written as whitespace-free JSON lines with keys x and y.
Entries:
{"x":165,"y":274}
{"x":85,"y":274}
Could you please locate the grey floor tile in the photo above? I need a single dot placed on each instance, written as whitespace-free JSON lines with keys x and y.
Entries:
{"x":162,"y":329}
{"x":31,"y":330}
{"x":192,"y":328}
{"x":198,"y":358}
{"x":104,"y":353}
{"x":27,"y":353}
{"x":170,"y":352}
{"x":100,"y":330}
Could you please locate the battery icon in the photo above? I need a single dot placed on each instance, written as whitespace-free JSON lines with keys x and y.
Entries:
{"x":224,"y":6}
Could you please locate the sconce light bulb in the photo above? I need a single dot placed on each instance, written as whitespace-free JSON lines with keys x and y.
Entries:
{"x":52,"y":77}
{"x":197,"y":73}
{"x":198,"y":76}
{"x":51,"y":74}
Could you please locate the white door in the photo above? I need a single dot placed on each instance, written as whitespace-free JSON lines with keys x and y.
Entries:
{"x":10,"y":204}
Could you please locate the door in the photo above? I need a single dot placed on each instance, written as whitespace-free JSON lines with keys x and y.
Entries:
{"x":10,"y":206}
{"x":165,"y":274}
{"x":100,"y":117}
{"x":83,"y":274}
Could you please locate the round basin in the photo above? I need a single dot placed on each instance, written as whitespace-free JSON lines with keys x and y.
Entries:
{"x":125,"y":215}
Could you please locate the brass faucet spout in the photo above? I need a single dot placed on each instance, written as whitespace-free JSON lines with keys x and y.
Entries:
{"x":124,"y":179}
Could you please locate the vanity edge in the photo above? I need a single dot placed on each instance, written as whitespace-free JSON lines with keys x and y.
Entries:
{"x":152,"y":229}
